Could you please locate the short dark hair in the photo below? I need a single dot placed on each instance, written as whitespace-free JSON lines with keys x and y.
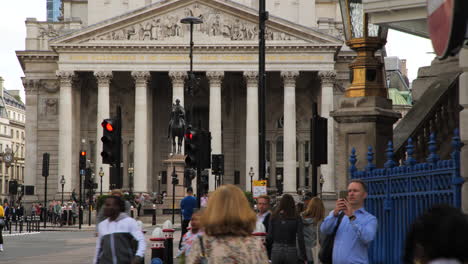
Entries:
{"x":190,"y":190}
{"x":441,"y":232}
{"x":120,"y":202}
{"x":363,"y":184}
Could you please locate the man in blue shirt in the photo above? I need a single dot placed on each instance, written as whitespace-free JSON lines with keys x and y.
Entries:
{"x":357,"y":228}
{"x":186,"y":206}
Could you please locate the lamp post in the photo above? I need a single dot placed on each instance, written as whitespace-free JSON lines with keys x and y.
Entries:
{"x":367,"y":73}
{"x":159,"y":183}
{"x":191,"y":21}
{"x":130,"y":175}
{"x":101,"y":174}
{"x":251,"y":174}
{"x":278,"y":185}
{"x":62,"y":182}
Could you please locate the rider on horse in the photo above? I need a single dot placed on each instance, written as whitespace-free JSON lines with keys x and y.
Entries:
{"x":177,"y":115}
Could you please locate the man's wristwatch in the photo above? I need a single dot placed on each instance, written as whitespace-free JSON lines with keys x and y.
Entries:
{"x":352,"y":218}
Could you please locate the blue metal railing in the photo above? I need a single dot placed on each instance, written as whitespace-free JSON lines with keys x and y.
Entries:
{"x":397,"y":194}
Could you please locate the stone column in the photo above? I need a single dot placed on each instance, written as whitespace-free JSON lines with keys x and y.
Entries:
{"x":251,"y":140}
{"x":141,"y":170}
{"x":31,"y":88}
{"x":301,"y":159}
{"x":463,"y":97}
{"x":103,"y":112}
{"x":178,"y":78}
{"x":125,"y":154}
{"x":66,"y":132}
{"x":215,"y":79}
{"x":328,"y":79}
{"x":289,"y":131}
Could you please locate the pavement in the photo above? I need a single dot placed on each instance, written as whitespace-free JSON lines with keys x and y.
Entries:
{"x":59,"y":245}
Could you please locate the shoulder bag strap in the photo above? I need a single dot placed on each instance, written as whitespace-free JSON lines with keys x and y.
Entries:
{"x":202,"y":246}
{"x":340,"y":217}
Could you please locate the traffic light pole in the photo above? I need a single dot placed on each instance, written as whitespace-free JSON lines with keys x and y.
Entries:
{"x":80,"y":211}
{"x":119,"y":152}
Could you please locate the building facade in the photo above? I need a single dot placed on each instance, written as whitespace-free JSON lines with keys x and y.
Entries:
{"x":12,"y":140}
{"x":134,"y":54}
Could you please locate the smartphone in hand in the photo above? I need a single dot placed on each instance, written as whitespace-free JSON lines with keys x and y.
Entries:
{"x":343,"y":195}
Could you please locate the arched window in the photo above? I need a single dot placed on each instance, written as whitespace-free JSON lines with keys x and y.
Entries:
{"x":279,"y":149}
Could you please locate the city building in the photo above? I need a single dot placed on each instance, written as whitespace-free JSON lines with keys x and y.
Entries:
{"x":54,"y":10}
{"x":135,"y":54}
{"x":12,"y":140}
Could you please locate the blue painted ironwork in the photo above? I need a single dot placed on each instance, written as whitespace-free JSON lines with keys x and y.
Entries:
{"x":397,"y":194}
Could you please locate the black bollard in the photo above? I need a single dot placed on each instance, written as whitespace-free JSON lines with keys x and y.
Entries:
{"x":9,"y":224}
{"x":168,"y":245}
{"x":153,"y":221}
{"x":16,"y":225}
{"x":21,"y":224}
{"x":157,"y":248}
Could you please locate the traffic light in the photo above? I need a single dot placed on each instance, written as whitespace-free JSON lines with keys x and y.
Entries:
{"x":191,"y":148}
{"x":45,"y":164}
{"x":217,"y":164}
{"x":111,"y":141}
{"x":189,"y":175}
{"x":88,"y":182}
{"x":204,"y":156}
{"x":82,"y":160}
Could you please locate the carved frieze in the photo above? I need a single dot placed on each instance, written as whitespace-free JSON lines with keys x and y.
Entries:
{"x":48,"y":31}
{"x":31,"y":86}
{"x":215,"y":24}
{"x":48,"y":108}
{"x":50,"y":86}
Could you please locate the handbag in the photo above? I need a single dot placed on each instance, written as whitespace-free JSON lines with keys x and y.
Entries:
{"x":326,"y":250}
{"x":203,"y":258}
{"x":2,"y":222}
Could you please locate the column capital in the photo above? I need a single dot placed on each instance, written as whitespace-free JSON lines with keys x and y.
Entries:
{"x":103,"y":77}
{"x":66,"y":77}
{"x":31,"y":86}
{"x":141,"y":76}
{"x":327,"y":77}
{"x":215,"y":77}
{"x":251,"y":77}
{"x":177,"y":77}
{"x":289,"y":77}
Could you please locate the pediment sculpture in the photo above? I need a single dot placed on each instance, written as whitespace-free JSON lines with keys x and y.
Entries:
{"x":216,"y":24}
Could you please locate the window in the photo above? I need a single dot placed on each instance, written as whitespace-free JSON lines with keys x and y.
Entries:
{"x":4,"y":130}
{"x":1,"y":147}
{"x":22,"y":151}
{"x":279,"y":149}
{"x":12,"y":134}
{"x":14,"y":115}
{"x":17,"y":134}
{"x":22,"y":134}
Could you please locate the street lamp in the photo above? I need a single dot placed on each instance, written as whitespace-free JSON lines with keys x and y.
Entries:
{"x":130,"y":176}
{"x":367,"y":72}
{"x":251,"y":174}
{"x":192,"y":21}
{"x":101,"y":173}
{"x":62,"y":182}
{"x":278,"y":185}
{"x":159,"y":183}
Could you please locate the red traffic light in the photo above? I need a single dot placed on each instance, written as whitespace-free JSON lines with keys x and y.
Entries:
{"x":82,"y":153}
{"x":107,"y":126}
{"x":189,"y":136}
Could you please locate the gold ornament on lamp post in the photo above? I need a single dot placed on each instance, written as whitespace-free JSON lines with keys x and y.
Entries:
{"x":367,"y":72}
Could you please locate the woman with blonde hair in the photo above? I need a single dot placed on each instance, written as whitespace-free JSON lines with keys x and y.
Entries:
{"x":228,"y":223}
{"x":311,"y":217}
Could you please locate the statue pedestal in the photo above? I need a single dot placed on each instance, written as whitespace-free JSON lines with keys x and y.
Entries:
{"x":176,"y":162}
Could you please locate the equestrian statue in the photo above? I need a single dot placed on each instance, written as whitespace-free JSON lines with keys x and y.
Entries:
{"x":177,"y":126}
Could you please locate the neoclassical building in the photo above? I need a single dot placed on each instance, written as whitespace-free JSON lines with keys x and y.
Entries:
{"x":134,"y":54}
{"x":12,"y":140}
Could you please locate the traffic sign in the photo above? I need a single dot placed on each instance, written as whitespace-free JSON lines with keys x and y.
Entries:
{"x":447,"y":22}
{"x":259,"y":188}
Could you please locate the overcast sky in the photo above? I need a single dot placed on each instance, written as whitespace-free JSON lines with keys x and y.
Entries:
{"x":13,"y":13}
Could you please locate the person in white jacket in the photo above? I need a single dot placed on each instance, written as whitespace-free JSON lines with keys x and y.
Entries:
{"x":119,"y":241}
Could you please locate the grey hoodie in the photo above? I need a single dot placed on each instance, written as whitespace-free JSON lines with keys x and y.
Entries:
{"x":310,"y":236}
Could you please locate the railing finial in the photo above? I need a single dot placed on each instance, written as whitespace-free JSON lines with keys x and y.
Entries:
{"x":456,"y":145}
{"x":433,"y":157}
{"x":352,"y":160}
{"x":370,"y":157}
{"x":410,"y":160}
{"x":390,"y":163}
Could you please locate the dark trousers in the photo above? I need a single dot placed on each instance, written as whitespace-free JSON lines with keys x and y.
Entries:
{"x":1,"y":236}
{"x":284,"y":254}
{"x":185,"y":224}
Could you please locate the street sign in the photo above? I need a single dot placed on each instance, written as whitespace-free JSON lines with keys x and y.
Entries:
{"x":447,"y":22}
{"x":259,"y":188}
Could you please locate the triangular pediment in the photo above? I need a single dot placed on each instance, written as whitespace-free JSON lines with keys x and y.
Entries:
{"x":224,"y":22}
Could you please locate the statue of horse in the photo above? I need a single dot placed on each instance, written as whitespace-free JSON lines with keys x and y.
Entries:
{"x":177,"y":127}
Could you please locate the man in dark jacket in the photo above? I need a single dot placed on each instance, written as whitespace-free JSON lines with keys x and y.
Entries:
{"x":263,"y":215}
